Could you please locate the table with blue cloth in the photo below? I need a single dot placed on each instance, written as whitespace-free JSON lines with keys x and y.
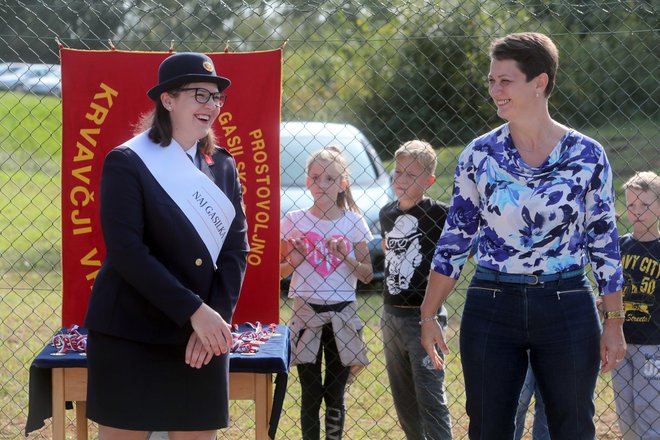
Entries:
{"x":57,"y":380}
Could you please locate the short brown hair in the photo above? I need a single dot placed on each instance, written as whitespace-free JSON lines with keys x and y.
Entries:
{"x":644,"y":181}
{"x":534,"y":53}
{"x":159,"y":124}
{"x":419,"y":151}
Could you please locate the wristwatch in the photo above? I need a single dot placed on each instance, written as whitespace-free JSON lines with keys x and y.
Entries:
{"x":615,"y":314}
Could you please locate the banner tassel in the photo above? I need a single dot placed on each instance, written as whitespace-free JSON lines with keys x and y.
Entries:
{"x":227,"y":46}
{"x":112,"y":46}
{"x":171,"y":46}
{"x":283,"y":45}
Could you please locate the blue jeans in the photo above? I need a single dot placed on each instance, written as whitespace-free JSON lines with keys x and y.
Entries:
{"x":558,"y":323}
{"x":540,"y":425}
{"x":417,"y":387}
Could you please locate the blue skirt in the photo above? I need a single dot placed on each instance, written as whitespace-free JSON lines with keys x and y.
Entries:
{"x":149,"y":387}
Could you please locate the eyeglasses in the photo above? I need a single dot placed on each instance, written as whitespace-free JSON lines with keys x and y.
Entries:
{"x":202,"y":96}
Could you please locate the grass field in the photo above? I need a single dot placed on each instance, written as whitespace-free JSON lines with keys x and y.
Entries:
{"x":31,"y":276}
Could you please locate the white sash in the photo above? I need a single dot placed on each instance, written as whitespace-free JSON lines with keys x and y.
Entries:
{"x":209,"y":210}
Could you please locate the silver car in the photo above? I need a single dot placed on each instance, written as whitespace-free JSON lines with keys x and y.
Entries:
{"x":48,"y":84}
{"x":370,"y":183}
{"x":17,"y":74}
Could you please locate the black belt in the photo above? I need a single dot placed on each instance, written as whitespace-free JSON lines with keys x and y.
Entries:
{"x":486,"y":274}
{"x":337,"y":307}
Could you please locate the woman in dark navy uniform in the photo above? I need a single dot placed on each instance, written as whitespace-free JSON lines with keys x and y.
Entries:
{"x":175,"y":233}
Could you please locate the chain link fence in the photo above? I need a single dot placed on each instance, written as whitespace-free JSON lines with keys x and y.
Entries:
{"x":395,"y":70}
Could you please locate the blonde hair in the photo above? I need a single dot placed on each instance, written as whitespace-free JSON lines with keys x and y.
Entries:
{"x":332,"y":154}
{"x":644,"y":181}
{"x":419,"y":151}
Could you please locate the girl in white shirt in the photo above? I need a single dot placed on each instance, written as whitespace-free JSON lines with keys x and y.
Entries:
{"x":324,"y":249}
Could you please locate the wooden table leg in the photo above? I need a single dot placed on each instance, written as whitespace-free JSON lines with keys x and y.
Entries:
{"x":81,"y":420}
{"x":59,"y":415}
{"x":263,"y":404}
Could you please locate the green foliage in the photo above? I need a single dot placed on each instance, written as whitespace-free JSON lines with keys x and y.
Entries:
{"x":397,"y":70}
{"x":31,"y":31}
{"x":438,"y":91}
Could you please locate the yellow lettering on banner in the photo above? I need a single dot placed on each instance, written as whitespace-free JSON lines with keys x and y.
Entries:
{"x":264,"y":204}
{"x":86,"y":132}
{"x":257,"y":244}
{"x":81,"y":231}
{"x":262,"y":169}
{"x":263,"y":193}
{"x":258,"y":226}
{"x":236,"y":151}
{"x":84,"y":153}
{"x":79,"y":173}
{"x":258,"y":142}
{"x":262,"y":218}
{"x":84,"y":192}
{"x":256,"y":250}
{"x":234,"y":145}
{"x":228,"y":130}
{"x":101,"y":112}
{"x":91,"y":276}
{"x":234,"y":142}
{"x":83,"y":195}
{"x":80,"y":221}
{"x":260,"y":157}
{"x":88,"y":260}
{"x":224,"y":117}
{"x":107,"y":93}
{"x":242,"y":176}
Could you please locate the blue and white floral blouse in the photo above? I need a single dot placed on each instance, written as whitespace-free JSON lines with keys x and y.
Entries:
{"x":529,"y":220}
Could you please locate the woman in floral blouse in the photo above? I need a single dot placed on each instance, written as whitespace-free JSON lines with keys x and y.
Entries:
{"x":537,"y":198}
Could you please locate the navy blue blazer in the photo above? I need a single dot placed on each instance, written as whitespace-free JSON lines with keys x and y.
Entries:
{"x":157,"y":271}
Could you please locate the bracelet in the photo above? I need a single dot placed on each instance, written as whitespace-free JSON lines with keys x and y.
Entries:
{"x":615,"y":314}
{"x":429,"y":318}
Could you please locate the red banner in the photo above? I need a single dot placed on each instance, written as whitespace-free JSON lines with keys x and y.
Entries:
{"x":103,"y":96}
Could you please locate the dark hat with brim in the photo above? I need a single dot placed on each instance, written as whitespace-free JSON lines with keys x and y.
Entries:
{"x":185,"y":68}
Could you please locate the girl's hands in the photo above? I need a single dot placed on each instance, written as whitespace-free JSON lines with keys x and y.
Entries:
{"x":297,"y":251}
{"x":337,"y":247}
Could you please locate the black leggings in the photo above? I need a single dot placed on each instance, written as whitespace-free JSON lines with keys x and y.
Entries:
{"x":314,"y":391}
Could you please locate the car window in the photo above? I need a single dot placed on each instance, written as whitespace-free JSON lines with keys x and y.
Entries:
{"x":296,"y":150}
